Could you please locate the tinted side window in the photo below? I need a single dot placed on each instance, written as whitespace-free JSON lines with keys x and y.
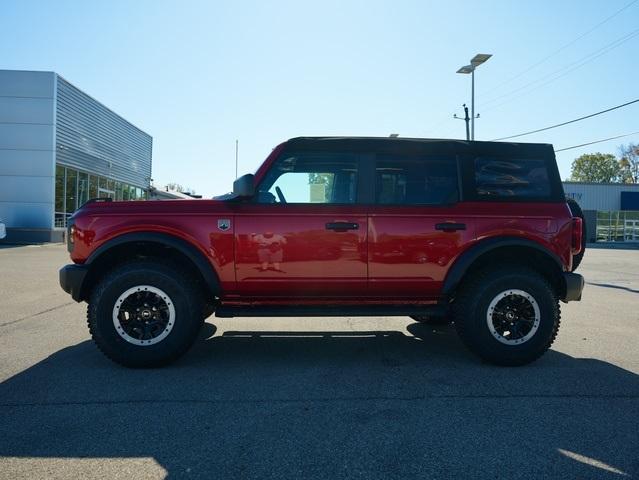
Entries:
{"x":519,"y":178}
{"x":415,"y":180}
{"x":311,"y":178}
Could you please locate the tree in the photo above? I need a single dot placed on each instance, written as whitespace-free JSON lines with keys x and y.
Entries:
{"x":629,"y":163}
{"x":596,"y":167}
{"x":176,"y":187}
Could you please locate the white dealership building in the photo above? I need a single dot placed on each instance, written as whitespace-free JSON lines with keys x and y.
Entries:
{"x":611,"y":209}
{"x":58,"y":148}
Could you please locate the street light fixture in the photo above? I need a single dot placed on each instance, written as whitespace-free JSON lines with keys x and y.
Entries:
{"x":475,"y":62}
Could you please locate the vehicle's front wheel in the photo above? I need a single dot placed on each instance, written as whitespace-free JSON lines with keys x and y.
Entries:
{"x":507,"y":316}
{"x":145,"y":314}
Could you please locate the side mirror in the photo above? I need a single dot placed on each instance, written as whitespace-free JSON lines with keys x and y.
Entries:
{"x":244,"y":186}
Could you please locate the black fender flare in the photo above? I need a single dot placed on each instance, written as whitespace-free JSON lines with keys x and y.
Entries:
{"x":188,"y":250}
{"x":465,"y":260}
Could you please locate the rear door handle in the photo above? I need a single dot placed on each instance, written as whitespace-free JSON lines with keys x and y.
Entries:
{"x":450,"y":227}
{"x":342,"y":226}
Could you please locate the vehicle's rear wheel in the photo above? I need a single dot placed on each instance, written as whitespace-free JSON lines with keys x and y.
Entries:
{"x":576,"y":211}
{"x":507,"y":316}
{"x":432,"y":320}
{"x":145,"y":314}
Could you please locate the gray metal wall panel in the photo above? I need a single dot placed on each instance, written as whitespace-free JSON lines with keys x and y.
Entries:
{"x":26,"y":110}
{"x":22,"y":136}
{"x":35,"y":163}
{"x":27,"y":162}
{"x":16,"y":83}
{"x":26,"y":188}
{"x":601,"y":197}
{"x":27,"y":215}
{"x":92,"y":138}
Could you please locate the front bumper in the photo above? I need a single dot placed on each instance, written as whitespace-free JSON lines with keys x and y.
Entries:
{"x":71,"y":280}
{"x":574,"y":286}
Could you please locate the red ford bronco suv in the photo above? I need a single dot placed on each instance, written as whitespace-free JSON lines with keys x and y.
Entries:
{"x":476,"y":233}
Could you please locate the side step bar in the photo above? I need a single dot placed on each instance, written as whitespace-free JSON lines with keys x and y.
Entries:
{"x":229,"y":311}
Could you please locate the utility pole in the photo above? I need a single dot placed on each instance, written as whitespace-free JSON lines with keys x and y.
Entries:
{"x":465,"y":119}
{"x":236,"y":149}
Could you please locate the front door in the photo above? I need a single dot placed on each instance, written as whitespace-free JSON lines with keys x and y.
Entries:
{"x":416,"y":228}
{"x":304,"y":235}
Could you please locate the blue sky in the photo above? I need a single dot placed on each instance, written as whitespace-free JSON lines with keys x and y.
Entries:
{"x":197,"y":75}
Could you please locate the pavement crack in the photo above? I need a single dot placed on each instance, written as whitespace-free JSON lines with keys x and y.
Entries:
{"x":37,"y":314}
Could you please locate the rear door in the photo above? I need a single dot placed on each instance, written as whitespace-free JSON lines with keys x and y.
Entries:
{"x":416,"y":227}
{"x":306,"y":234}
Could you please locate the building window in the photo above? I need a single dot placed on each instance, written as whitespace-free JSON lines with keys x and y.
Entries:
{"x":93,"y":186}
{"x":83,"y":188}
{"x":617,"y":226}
{"x":59,"y":189}
{"x":74,"y":188}
{"x":60,"y":183}
{"x":71,"y":194}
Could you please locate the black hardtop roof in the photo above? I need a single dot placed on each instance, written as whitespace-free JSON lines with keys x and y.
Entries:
{"x":396,"y":145}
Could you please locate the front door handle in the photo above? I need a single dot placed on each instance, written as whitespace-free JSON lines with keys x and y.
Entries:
{"x":342,"y":226}
{"x":450,"y":227}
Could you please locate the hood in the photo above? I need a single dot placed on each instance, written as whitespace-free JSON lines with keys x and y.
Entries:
{"x":168,"y":207}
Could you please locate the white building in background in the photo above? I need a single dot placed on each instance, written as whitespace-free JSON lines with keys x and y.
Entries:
{"x":604,"y":196}
{"x":611,"y":210}
{"x":58,"y":148}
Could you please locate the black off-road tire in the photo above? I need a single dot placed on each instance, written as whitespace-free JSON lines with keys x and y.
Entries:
{"x":435,"y":320}
{"x":184,"y":294}
{"x":576,"y":211}
{"x":470,"y":311}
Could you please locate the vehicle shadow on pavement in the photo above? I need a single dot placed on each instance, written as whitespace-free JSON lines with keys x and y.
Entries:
{"x":609,"y":285}
{"x":328,"y":404}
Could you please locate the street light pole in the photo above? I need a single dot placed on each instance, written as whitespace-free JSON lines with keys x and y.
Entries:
{"x":476,"y":61}
{"x":236,"y":158}
{"x":472,"y":105}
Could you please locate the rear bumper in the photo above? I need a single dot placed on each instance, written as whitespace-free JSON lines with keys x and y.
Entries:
{"x":71,"y":280}
{"x":574,"y":286}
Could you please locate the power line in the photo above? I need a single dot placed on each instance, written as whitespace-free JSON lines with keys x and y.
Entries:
{"x":562,"y":48}
{"x":568,"y":122}
{"x":597,"y":141}
{"x":561,"y":72}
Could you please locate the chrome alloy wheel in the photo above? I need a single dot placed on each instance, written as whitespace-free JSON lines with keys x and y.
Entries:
{"x":513,"y":317}
{"x":143,"y":315}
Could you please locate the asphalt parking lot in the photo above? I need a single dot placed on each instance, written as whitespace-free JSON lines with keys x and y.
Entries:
{"x":317,"y":398}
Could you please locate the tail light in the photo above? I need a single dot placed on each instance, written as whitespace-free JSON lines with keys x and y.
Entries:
{"x":577,"y":235}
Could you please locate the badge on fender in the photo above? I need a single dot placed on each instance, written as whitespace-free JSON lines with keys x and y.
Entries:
{"x":224,"y":224}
